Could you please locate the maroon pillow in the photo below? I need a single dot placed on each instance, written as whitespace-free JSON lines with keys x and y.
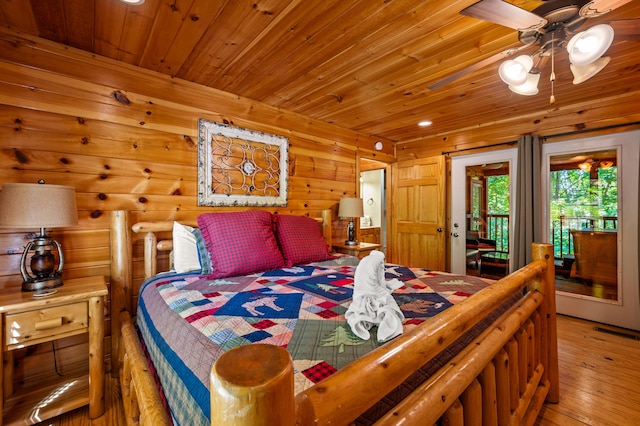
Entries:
{"x":300,"y":240}
{"x":240,"y":243}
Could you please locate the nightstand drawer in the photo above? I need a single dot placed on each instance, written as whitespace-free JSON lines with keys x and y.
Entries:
{"x":360,"y":250}
{"x":41,"y":325}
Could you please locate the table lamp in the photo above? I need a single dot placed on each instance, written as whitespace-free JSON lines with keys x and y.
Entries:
{"x":351,"y":207}
{"x":39,"y":205}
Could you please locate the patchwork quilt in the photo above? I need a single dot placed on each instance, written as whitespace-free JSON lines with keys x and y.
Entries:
{"x":187,"y":321}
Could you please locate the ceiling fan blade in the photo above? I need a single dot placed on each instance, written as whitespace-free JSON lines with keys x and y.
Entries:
{"x":600,"y":7}
{"x":626,"y":29}
{"x":474,"y":67}
{"x":505,"y":14}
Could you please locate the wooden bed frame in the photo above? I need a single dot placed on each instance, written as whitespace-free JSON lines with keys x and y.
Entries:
{"x":503,"y":377}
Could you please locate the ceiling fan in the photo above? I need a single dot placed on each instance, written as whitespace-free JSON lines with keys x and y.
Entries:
{"x":550,"y":29}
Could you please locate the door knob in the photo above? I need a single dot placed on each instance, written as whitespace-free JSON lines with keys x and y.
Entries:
{"x":439,"y":229}
{"x":455,"y":234}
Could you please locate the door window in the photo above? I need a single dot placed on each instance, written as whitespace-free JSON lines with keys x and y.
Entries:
{"x":583,"y":207}
{"x":488,"y":206}
{"x":590,"y":193}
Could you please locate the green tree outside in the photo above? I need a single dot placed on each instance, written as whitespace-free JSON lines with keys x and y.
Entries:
{"x":579,"y":200}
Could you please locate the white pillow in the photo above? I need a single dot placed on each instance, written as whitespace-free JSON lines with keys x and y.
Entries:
{"x":185,"y":249}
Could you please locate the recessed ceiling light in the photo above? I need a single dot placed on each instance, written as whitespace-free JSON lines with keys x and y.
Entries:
{"x":133,"y":2}
{"x":425,"y":123}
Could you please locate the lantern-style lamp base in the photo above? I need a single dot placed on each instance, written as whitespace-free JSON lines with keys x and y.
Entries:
{"x":41,"y":284}
{"x":45,"y":274}
{"x":351,"y":234}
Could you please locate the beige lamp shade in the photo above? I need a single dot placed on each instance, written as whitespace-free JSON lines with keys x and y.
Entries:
{"x":585,"y":72}
{"x":351,"y":207}
{"x":35,"y":205}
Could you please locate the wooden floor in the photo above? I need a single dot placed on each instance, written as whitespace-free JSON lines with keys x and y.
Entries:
{"x":599,"y":381}
{"x":599,"y":376}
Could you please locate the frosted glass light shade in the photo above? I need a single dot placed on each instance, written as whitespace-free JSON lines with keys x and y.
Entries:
{"x":514,"y":71}
{"x":529,"y":88}
{"x":585,"y":72}
{"x":34,"y":205}
{"x":587,"y":46}
{"x":351,"y":207}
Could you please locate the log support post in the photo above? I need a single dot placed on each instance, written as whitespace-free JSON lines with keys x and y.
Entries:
{"x":252,"y":385}
{"x":120,"y":242}
{"x":544,"y":252}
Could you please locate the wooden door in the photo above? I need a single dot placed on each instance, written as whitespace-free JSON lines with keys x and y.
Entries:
{"x":418,"y":213}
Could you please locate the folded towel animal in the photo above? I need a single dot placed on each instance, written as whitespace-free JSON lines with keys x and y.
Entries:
{"x":372,"y":302}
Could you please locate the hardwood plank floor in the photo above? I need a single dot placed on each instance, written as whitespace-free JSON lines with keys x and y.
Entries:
{"x":599,"y":376}
{"x":599,"y":381}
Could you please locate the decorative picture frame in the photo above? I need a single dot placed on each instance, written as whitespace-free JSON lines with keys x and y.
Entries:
{"x":241,"y":167}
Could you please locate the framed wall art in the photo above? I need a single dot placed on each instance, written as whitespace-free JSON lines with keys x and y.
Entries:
{"x":241,"y":167}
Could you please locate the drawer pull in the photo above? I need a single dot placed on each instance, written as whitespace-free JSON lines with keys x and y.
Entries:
{"x":51,"y":323}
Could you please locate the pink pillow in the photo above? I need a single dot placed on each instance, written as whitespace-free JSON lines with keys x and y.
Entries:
{"x":240,"y":243}
{"x":300,"y":240}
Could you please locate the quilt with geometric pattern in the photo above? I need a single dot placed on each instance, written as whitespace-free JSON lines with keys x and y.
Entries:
{"x":187,"y":321}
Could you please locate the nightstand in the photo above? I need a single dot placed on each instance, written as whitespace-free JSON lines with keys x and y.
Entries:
{"x":77,"y":307}
{"x":360,"y":250}
{"x":370,"y":235}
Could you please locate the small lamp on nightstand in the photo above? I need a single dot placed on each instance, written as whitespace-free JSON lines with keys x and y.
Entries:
{"x":351,"y":207}
{"x":38,"y":205}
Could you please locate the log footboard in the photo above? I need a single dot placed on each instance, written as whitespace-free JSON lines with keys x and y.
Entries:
{"x":502,"y":378}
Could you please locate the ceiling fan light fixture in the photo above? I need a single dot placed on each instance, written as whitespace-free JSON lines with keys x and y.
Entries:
{"x":529,"y":88}
{"x":585,"y":166}
{"x":606,"y":164}
{"x":585,"y":72}
{"x":514,"y":72}
{"x":587,"y":46}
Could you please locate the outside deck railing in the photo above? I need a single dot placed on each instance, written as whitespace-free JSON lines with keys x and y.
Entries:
{"x":561,"y":230}
{"x":495,"y":228}
{"x":498,"y":230}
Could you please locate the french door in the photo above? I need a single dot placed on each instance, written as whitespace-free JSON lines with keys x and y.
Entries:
{"x":466,"y":218}
{"x":590,"y":199}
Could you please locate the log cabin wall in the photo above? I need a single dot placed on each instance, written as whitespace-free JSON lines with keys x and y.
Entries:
{"x":126,"y":138}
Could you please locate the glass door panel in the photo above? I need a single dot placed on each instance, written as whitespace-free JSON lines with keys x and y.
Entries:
{"x":583,"y":206}
{"x":590,"y":188}
{"x":481,"y":209}
{"x":487,"y":227}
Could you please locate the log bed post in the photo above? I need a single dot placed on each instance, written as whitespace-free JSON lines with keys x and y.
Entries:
{"x":252,"y":385}
{"x":547,"y":286}
{"x":120,"y":238}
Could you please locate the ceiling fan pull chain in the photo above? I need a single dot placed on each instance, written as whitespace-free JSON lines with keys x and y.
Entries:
{"x":552,"y":77}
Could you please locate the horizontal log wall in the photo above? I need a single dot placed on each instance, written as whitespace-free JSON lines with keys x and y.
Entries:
{"x":61,"y":121}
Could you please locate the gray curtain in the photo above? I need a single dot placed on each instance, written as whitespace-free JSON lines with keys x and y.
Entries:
{"x":528,"y":202}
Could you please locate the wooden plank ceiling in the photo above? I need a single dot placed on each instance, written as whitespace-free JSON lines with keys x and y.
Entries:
{"x":360,"y":64}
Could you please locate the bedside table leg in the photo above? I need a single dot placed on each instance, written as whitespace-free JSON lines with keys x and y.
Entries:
{"x":96,"y":357}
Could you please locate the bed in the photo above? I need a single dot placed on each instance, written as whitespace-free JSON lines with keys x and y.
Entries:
{"x":504,"y":366}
